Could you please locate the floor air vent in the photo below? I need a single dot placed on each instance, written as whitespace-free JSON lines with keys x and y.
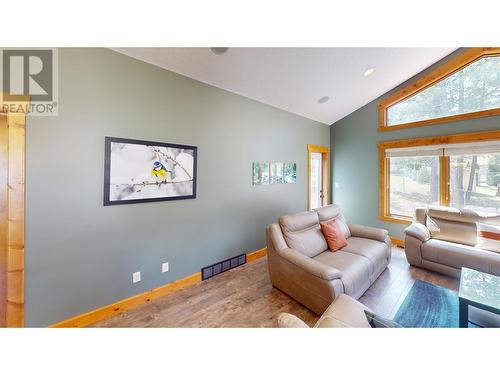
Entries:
{"x":225,"y":265}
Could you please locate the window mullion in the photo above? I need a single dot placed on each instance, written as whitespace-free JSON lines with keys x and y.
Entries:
{"x":444,"y":180}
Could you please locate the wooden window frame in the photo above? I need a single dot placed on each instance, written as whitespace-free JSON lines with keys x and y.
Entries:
{"x":468,"y":57}
{"x":12,"y":200}
{"x":444,"y":165}
{"x":325,"y":151}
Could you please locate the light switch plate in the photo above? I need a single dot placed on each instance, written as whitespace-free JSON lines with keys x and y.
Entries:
{"x":164,"y":267}
{"x":136,"y":277}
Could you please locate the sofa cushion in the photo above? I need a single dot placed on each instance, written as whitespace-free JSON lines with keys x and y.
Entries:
{"x":459,"y":226}
{"x":464,"y":215}
{"x":458,"y":255}
{"x":302,"y":232}
{"x":376,"y":252}
{"x":453,"y":231}
{"x":330,"y":212}
{"x":356,"y":269}
{"x":333,"y":235}
{"x":485,"y":218}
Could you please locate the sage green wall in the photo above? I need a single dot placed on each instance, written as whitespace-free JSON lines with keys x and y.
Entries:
{"x":355,"y":157}
{"x":81,"y":255}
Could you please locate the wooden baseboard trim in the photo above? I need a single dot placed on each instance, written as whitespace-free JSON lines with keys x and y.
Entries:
{"x":398,"y":242}
{"x":118,"y":307}
{"x":256,"y":254}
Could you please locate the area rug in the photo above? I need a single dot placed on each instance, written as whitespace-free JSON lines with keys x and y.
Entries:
{"x":428,"y":306}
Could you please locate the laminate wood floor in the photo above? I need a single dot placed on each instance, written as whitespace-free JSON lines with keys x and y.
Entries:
{"x":244,"y":297}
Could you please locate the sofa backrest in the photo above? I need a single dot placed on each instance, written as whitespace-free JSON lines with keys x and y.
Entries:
{"x":302,"y":232}
{"x":453,"y":225}
{"x":330,"y":212}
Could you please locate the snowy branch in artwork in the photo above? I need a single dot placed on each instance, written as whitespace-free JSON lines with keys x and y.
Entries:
{"x":175,"y":162}
{"x":146,"y":183}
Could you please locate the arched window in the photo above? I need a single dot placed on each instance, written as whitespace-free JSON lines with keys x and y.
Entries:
{"x":466,"y":87}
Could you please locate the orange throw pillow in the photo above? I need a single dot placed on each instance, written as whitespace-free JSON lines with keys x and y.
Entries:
{"x":333,"y":235}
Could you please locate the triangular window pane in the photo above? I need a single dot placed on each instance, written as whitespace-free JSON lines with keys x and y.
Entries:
{"x":474,"y":88}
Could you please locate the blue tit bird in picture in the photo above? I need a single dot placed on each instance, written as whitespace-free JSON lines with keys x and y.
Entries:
{"x":161,"y":173}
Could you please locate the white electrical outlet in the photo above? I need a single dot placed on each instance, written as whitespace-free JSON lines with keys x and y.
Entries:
{"x":164,"y":267}
{"x":136,"y":277}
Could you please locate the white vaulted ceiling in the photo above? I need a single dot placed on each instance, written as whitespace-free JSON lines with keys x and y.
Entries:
{"x":294,"y":79}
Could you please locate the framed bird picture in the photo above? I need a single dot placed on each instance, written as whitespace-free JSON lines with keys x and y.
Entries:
{"x":142,"y":171}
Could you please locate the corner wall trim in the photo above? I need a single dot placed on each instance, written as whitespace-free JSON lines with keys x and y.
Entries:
{"x":398,"y":242}
{"x":118,"y":307}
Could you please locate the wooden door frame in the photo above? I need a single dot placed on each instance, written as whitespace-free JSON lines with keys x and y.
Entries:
{"x":12,"y":200}
{"x":325,"y":167}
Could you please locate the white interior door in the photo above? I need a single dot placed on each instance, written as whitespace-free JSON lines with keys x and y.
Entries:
{"x":316,"y":173}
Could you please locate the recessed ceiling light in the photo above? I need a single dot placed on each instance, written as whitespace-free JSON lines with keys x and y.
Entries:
{"x":368,"y":71}
{"x":323,"y":99}
{"x":219,"y":50}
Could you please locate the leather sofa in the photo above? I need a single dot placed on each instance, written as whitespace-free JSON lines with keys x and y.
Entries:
{"x":344,"y":312}
{"x":442,"y":239}
{"x":301,"y":265}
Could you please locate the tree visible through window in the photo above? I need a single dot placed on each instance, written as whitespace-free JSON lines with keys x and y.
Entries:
{"x":475,"y":182}
{"x":413,"y":182}
{"x":473,"y":88}
{"x":453,"y":170}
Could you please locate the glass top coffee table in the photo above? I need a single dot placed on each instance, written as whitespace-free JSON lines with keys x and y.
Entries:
{"x":478,"y":289}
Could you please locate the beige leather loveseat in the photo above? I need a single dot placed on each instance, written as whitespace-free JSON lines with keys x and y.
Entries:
{"x":301,"y":265}
{"x":442,"y":239}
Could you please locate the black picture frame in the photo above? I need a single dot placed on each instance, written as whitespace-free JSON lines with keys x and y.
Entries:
{"x":107,"y":170}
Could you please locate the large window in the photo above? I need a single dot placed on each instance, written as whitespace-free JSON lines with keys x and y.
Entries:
{"x":466,"y":87}
{"x":461,"y":171}
{"x":471,"y":89}
{"x":413,"y":182}
{"x":475,"y":182}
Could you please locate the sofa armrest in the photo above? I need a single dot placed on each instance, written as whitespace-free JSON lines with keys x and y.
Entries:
{"x":419,"y":231}
{"x":310,"y":265}
{"x":286,"y":320}
{"x":368,"y":232}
